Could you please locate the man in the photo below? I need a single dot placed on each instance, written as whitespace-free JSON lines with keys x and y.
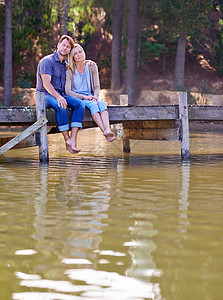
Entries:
{"x":51,"y":76}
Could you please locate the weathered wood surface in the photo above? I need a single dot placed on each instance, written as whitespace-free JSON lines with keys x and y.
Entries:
{"x":205,"y":113}
{"x":124,"y":101}
{"x":32,"y":140}
{"x":155,"y":124}
{"x":152,"y":134}
{"x":23,"y":135}
{"x":21,"y":115}
{"x":17,"y":115}
{"x":126,"y":145}
{"x":183,"y":116}
{"x":41,"y":113}
{"x":152,"y":130}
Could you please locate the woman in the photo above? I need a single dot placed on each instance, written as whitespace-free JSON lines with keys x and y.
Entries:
{"x":82,"y":81}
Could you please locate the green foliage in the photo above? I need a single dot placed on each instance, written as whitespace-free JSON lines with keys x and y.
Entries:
{"x":151,"y":50}
{"x":175,"y":16}
{"x":80,"y":23}
{"x":191,"y":99}
{"x":105,"y":62}
{"x":24,"y":83}
{"x":36,"y":29}
{"x":218,"y":56}
{"x":107,"y":7}
{"x":218,"y":47}
{"x":123,"y":62}
{"x":34,"y":24}
{"x":31,"y":30}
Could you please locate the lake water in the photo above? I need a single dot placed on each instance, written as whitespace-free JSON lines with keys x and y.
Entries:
{"x":113,"y":226}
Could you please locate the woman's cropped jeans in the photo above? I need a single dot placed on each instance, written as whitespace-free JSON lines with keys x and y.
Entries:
{"x":94,"y":106}
{"x":77,"y":106}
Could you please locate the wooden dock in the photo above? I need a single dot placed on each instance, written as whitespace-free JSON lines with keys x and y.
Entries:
{"x":164,"y":122}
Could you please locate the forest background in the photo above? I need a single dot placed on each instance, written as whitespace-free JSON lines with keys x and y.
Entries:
{"x":137,"y":44}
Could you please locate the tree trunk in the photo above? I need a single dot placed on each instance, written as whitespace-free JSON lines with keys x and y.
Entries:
{"x":63,"y":11}
{"x":180,"y":63}
{"x":131,"y":80}
{"x":116,"y":82}
{"x":8,"y":55}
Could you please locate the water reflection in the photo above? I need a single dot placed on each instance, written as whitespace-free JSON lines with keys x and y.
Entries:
{"x":93,"y":227}
{"x":40,"y":204}
{"x":79,"y":206}
{"x":183,"y":197}
{"x":113,"y":285}
{"x":140,"y":249}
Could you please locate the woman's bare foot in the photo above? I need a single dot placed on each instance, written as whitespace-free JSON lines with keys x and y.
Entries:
{"x":71,"y":146}
{"x":110,"y":138}
{"x":108,"y":133}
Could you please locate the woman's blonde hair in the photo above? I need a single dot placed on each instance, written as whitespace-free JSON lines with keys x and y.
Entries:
{"x":71,"y":60}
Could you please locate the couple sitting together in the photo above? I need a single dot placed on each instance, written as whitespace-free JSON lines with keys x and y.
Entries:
{"x":74,"y":85}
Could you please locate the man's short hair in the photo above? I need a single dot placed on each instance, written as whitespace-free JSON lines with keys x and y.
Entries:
{"x":67,"y":37}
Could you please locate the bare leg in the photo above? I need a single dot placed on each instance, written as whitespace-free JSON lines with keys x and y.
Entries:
{"x":66,"y":137}
{"x":97,"y":118}
{"x":107,"y":129}
{"x":71,"y":141}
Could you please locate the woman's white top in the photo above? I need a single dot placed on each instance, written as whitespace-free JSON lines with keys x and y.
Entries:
{"x":82,"y":82}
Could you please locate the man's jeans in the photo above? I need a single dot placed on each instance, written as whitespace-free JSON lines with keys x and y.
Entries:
{"x":77,"y":106}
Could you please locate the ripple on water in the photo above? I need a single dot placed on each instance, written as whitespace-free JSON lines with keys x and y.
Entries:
{"x":108,"y":226}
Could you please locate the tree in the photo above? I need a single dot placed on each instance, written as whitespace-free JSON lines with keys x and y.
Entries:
{"x":184,"y":20}
{"x":116,"y":80}
{"x":194,"y":18}
{"x":33,"y":36}
{"x":181,"y":23}
{"x":131,"y":79}
{"x":8,"y":55}
{"x":63,"y":12}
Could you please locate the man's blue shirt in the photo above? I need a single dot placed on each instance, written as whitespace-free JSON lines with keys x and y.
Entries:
{"x":52,"y":66}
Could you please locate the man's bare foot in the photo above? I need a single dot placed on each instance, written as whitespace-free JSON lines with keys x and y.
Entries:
{"x":108,"y":133}
{"x":110,"y":138}
{"x":68,"y":147}
{"x":71,"y":146}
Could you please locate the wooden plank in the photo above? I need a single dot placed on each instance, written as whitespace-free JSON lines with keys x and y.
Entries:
{"x":23,"y":135}
{"x":134,"y":113}
{"x":205,"y":113}
{"x":150,"y":124}
{"x":31,"y":141}
{"x":183,"y":115}
{"x":21,"y":115}
{"x":41,"y":113}
{"x":17,"y":115}
{"x":152,"y":130}
{"x":27,"y":115}
{"x":162,"y":134}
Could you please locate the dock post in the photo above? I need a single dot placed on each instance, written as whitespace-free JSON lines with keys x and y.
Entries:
{"x":124,"y":100}
{"x":126,"y":145}
{"x":126,"y":142}
{"x":183,"y":116}
{"x":41,"y":112}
